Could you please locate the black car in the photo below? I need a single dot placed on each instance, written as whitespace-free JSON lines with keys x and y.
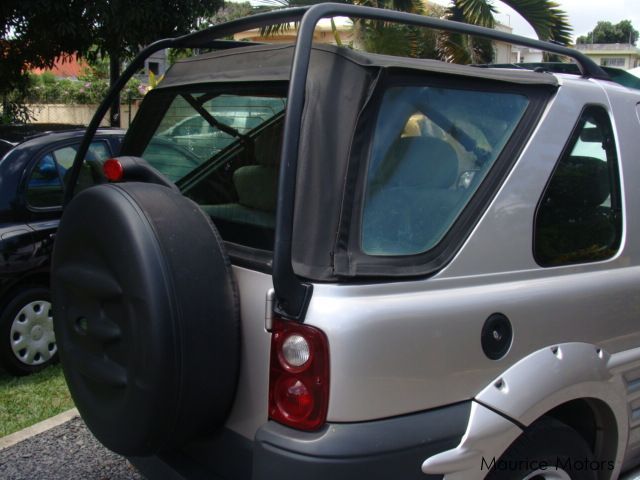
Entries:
{"x":33,"y":176}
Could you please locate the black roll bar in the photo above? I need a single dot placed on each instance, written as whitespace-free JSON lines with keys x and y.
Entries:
{"x":292,"y":294}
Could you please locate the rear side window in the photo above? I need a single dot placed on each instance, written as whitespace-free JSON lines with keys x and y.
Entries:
{"x":223,"y":151}
{"x":198,"y":126}
{"x":579,"y":216}
{"x":432,"y":148}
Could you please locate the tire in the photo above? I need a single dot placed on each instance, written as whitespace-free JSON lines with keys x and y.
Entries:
{"x":548,"y":450}
{"x":28,"y":342}
{"x":147,"y":317}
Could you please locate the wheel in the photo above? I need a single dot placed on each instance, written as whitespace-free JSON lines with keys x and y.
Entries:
{"x":26,"y":329}
{"x":548,"y":450}
{"x":147,"y":317}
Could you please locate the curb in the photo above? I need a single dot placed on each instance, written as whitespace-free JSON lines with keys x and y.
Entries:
{"x":48,"y":424}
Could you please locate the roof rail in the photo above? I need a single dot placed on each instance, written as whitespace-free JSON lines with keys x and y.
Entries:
{"x":292,"y":294}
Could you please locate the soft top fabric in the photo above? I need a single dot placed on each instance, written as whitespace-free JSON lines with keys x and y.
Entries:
{"x":273,"y":63}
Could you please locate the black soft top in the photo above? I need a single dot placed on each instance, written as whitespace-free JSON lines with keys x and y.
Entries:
{"x":273,"y":63}
{"x":342,"y":93}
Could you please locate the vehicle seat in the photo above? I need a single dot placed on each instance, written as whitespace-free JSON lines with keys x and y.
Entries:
{"x":256,"y":186}
{"x":573,"y":223}
{"x":411,"y":199}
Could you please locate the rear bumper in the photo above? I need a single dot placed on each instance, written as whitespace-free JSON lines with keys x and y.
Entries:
{"x":381,"y":449}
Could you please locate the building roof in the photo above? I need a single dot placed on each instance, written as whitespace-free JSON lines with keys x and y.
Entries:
{"x":603,"y":48}
{"x":67,"y":66}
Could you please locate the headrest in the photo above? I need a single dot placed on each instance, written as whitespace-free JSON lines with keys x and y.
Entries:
{"x":580,"y":182}
{"x":424,"y":162}
{"x":257,"y":187}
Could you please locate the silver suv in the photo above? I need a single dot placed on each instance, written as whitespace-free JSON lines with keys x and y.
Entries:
{"x":405,"y":269}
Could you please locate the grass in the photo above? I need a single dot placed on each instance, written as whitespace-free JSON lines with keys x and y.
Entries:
{"x":25,"y":401}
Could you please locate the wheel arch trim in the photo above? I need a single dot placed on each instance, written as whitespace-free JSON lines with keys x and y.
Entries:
{"x":532,"y":387}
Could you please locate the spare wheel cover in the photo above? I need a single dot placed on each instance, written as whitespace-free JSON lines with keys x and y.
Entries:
{"x":146,"y":316}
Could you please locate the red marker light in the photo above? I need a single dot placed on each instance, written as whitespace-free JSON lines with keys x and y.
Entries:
{"x":113,"y":170}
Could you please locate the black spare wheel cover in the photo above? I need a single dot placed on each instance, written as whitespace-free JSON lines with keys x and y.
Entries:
{"x":146,"y":316}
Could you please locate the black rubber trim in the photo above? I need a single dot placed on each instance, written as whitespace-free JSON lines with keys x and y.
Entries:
{"x":251,"y":258}
{"x":392,"y":448}
{"x":521,"y":426}
{"x":223,"y":455}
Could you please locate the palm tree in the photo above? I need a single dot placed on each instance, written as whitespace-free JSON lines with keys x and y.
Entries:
{"x":545,"y":17}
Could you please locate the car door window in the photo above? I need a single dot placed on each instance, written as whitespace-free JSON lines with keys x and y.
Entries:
{"x":48,"y":179}
{"x":579,"y":216}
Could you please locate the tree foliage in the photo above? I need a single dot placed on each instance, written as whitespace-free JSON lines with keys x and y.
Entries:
{"x":546,"y":18}
{"x":607,"y":32}
{"x":36,"y":32}
{"x":90,"y":87}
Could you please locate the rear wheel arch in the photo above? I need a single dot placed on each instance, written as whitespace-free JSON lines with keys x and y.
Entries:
{"x":578,"y":384}
{"x":595,"y":422}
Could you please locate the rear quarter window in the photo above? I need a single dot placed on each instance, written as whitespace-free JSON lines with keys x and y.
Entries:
{"x":579,"y":217}
{"x":432,"y":148}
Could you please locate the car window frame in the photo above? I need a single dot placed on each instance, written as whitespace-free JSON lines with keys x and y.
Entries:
{"x":350,"y":261}
{"x":34,"y":163}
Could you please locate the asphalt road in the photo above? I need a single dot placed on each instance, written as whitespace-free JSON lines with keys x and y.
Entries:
{"x":67,"y":452}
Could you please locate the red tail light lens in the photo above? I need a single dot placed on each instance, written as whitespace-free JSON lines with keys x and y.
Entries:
{"x":299,"y":375}
{"x":113,"y":170}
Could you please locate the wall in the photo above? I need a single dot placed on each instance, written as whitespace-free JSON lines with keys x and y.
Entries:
{"x":76,"y":114}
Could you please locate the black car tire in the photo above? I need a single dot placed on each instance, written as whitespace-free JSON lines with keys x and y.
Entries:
{"x":26,"y":331}
{"x":551,"y":443}
{"x":147,"y":316}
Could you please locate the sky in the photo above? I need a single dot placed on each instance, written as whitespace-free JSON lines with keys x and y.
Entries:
{"x":583,"y":14}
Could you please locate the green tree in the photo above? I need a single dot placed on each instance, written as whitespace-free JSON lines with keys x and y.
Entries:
{"x":231,"y":11}
{"x":607,"y":32}
{"x":36,"y":32}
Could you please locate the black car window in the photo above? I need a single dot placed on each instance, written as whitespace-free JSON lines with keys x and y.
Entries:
{"x":48,"y":179}
{"x":579,"y":217}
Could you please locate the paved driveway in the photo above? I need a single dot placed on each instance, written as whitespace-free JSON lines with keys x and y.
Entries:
{"x":66,"y":452}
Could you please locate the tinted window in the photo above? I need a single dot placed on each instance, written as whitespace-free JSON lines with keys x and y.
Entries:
{"x":431,"y":150}
{"x":579,"y":217}
{"x":45,"y":187}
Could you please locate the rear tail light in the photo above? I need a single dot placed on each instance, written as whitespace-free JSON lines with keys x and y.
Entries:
{"x":299,"y":375}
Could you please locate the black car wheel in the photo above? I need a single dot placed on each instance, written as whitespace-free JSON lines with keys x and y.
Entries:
{"x":548,"y":450}
{"x":26,"y":330}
